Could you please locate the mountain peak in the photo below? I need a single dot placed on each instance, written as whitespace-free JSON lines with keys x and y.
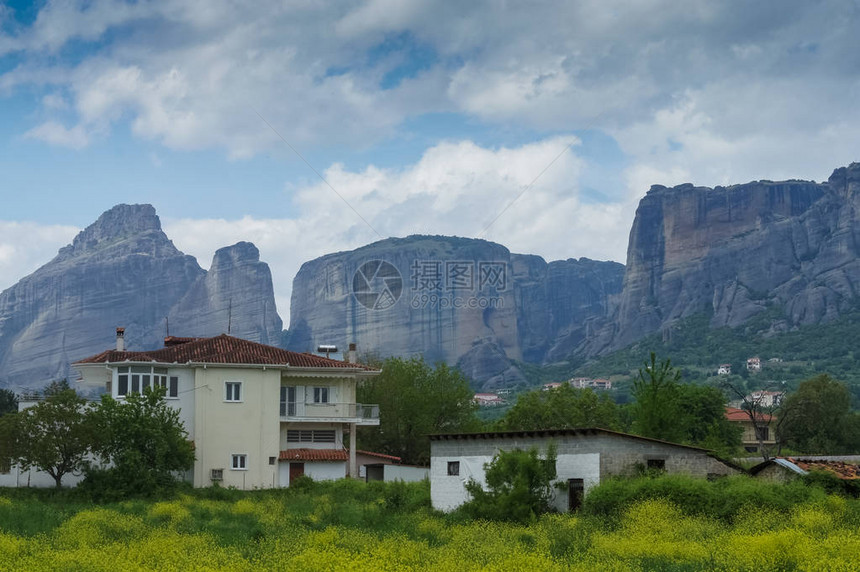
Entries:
{"x":116,"y":224}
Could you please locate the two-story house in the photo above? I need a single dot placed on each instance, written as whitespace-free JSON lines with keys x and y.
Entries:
{"x":259,"y":416}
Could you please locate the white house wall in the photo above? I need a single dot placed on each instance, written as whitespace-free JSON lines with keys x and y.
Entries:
{"x":325,"y":471}
{"x":448,"y":492}
{"x":249,"y":427}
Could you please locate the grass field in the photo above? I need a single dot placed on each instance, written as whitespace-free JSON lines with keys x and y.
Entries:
{"x":355,"y":526}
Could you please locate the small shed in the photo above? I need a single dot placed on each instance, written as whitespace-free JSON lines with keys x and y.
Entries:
{"x":584,"y":457}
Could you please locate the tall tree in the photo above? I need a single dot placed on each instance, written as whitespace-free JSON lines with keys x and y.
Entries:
{"x":691,"y":414}
{"x":657,"y":408}
{"x":818,"y":418}
{"x":8,"y":402}
{"x":54,"y":435}
{"x":415,"y":400}
{"x":144,"y":441}
{"x":564,"y":407}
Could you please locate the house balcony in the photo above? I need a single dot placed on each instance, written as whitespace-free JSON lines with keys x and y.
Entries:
{"x":358,"y":413}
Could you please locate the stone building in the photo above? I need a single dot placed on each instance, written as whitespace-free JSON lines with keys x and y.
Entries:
{"x":584,"y":458}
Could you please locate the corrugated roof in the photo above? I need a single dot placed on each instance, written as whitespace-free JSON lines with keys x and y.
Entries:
{"x":221,"y":349}
{"x":314,"y":455}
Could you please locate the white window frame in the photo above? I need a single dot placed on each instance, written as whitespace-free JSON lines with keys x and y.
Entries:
{"x":321,"y":391}
{"x":238,"y":462}
{"x":154,"y":377}
{"x":233,"y":382}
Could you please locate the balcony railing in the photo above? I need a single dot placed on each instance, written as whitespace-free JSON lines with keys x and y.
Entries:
{"x":302,"y":410}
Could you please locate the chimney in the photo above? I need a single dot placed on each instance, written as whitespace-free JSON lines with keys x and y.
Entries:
{"x":120,"y":339}
{"x":352,"y":354}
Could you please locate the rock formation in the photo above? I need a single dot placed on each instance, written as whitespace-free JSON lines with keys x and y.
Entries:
{"x":734,"y":251}
{"x":123,"y":271}
{"x":464,"y":301}
{"x":236,"y":295}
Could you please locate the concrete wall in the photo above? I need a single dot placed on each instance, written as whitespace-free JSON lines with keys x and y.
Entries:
{"x":33,"y":478}
{"x":317,"y":470}
{"x":405,"y":473}
{"x":589,"y":457}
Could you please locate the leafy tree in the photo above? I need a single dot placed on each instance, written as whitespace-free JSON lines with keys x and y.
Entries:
{"x":144,"y":441}
{"x":415,"y":400}
{"x":657,"y":408}
{"x":818,"y":418}
{"x":56,"y":387}
{"x":519,"y":486}
{"x":8,"y":402}
{"x":691,"y":414}
{"x":564,"y":407}
{"x":54,"y":435}
{"x":703,"y":418}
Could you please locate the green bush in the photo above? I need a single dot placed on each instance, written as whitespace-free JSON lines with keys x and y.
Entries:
{"x":723,"y":499}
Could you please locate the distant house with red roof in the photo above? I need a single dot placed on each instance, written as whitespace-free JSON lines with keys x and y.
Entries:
{"x":259,"y":416}
{"x":754,"y":427}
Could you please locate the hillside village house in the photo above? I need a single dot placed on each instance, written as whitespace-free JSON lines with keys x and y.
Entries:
{"x":259,"y":416}
{"x":724,"y":369}
{"x":765,"y":398}
{"x":754,"y":364}
{"x":752,"y":431}
{"x":584,"y":458}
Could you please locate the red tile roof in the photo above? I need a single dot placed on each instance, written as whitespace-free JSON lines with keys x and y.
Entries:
{"x":380,"y":455}
{"x":735,"y":414}
{"x":221,"y":349}
{"x":314,"y":455}
{"x":839,"y":468}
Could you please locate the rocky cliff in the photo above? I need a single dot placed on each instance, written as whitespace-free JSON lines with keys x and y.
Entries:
{"x":732,"y":252}
{"x":235,"y":295}
{"x":464,"y":301}
{"x":123,"y":271}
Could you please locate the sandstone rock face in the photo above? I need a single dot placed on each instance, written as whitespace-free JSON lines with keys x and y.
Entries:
{"x":235,"y":296}
{"x":123,"y":271}
{"x":732,"y":251}
{"x":464,"y":301}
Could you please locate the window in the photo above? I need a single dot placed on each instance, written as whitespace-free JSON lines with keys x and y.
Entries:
{"x":217,"y":475}
{"x":321,"y":395}
{"x":311,"y":436}
{"x":273,"y":460}
{"x":453,"y":468}
{"x":233,"y":391}
{"x":657,"y":464}
{"x":239,"y":463}
{"x":137,"y":378}
{"x":762,"y":433}
{"x":173,"y":388}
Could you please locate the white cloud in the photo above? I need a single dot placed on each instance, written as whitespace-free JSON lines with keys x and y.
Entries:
{"x":25,"y":246}
{"x":56,"y":134}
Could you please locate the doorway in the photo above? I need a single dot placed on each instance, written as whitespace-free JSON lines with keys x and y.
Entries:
{"x":296,"y":471}
{"x":575,"y":494}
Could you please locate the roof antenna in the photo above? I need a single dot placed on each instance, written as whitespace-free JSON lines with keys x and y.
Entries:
{"x":167,"y":326}
{"x":230,"y":316}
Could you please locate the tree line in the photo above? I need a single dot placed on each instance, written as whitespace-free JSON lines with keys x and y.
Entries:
{"x":417,"y":399}
{"x":135,"y":448}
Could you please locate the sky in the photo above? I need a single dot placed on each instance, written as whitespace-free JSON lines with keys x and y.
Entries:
{"x":309,"y":127}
